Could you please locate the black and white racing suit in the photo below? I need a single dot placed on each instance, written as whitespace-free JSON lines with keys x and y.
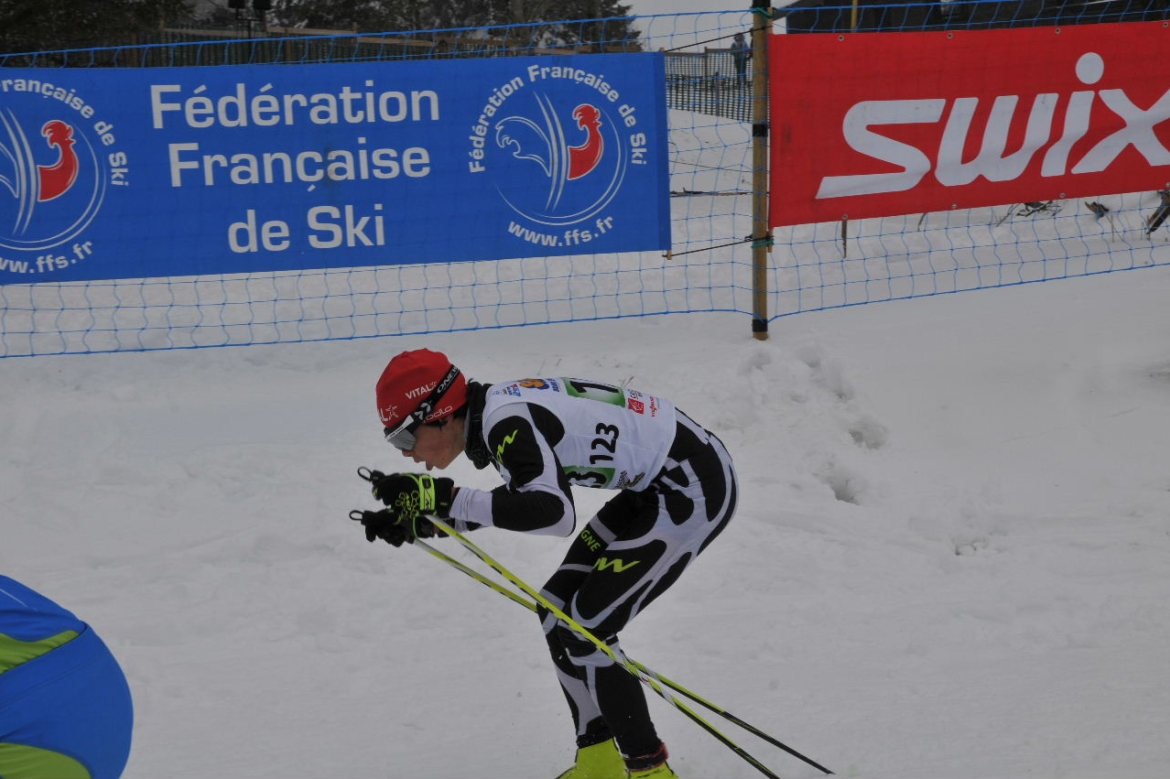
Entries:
{"x":677,"y":491}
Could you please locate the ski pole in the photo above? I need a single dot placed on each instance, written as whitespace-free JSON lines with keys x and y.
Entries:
{"x":734,"y":719}
{"x":644,"y":674}
{"x":642,"y":669}
{"x":474,"y":574}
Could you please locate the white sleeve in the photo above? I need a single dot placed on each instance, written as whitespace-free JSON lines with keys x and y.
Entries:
{"x":472,"y":505}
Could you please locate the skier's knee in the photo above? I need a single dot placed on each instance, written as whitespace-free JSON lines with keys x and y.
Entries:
{"x":582,"y":651}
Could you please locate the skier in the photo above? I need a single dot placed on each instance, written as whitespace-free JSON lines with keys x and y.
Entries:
{"x":65,"y":708}
{"x":676,"y":492}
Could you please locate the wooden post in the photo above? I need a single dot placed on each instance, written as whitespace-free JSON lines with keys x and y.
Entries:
{"x":761,"y":233}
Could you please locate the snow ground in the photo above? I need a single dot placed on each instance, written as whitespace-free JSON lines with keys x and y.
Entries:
{"x":952,"y":557}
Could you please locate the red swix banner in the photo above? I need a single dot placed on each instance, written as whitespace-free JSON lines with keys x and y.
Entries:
{"x":880,"y":124}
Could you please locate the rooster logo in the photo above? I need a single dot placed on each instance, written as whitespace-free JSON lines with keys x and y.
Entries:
{"x":56,"y":179}
{"x":563,"y":160}
{"x":584,"y":158}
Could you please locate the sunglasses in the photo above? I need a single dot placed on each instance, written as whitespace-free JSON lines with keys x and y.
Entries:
{"x":402,"y":437}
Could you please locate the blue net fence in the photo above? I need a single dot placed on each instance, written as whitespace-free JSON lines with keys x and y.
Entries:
{"x":709,"y":267}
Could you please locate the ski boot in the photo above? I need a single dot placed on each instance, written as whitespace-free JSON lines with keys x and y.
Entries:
{"x":599,"y":761}
{"x":652,"y":766}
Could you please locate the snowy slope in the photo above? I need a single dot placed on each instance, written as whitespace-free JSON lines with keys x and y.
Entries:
{"x":952,"y":557}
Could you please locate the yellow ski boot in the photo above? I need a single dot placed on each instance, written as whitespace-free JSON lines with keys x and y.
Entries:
{"x":599,"y":761}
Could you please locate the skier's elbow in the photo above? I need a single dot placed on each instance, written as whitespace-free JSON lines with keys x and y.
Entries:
{"x":562,"y":526}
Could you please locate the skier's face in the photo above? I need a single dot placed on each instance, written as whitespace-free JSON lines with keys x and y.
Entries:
{"x":436,"y":446}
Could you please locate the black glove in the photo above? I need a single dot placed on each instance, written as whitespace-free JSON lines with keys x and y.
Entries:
{"x":390,"y":526}
{"x":411,"y":495}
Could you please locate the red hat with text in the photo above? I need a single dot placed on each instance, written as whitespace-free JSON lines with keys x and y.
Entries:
{"x":420,"y":381}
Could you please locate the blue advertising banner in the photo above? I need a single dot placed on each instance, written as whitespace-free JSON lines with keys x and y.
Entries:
{"x":129,"y":173}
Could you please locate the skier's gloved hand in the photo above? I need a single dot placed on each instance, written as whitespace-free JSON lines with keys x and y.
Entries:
{"x":390,"y":526}
{"x":411,"y":495}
